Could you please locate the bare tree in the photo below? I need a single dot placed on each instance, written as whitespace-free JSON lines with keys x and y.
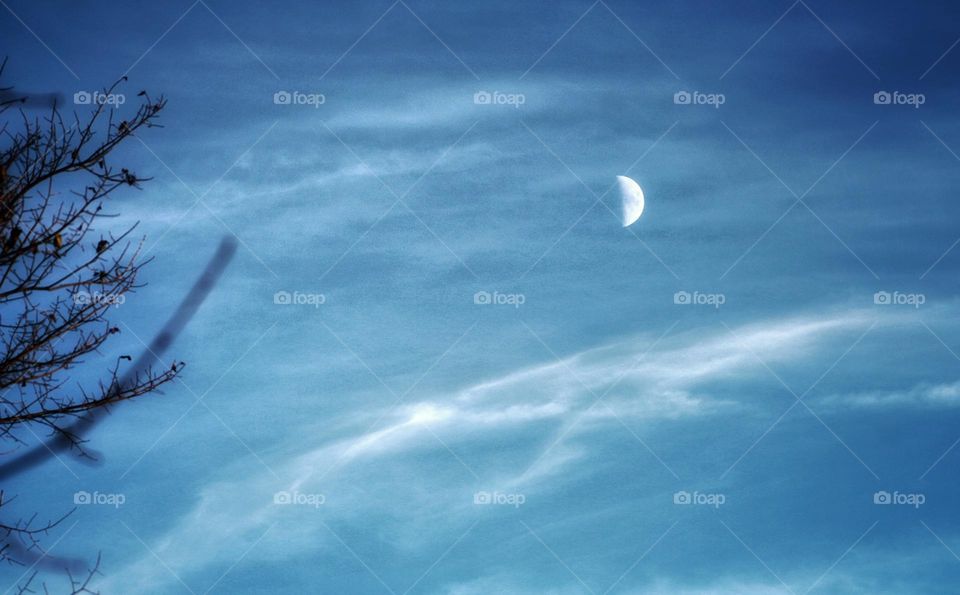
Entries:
{"x":60,"y":273}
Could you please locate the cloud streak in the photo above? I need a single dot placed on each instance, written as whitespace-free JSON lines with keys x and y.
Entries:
{"x":534,"y":408}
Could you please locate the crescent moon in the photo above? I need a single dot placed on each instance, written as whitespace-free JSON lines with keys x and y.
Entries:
{"x":631,"y":199}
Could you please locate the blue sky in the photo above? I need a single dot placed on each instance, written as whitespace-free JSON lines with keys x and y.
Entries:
{"x":589,"y":433}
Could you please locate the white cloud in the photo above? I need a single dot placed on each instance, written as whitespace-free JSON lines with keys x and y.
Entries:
{"x":921,"y":395}
{"x":530,"y":408}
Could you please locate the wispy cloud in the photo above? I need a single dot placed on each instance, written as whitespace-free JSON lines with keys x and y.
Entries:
{"x":924,"y":395}
{"x":532,"y":409}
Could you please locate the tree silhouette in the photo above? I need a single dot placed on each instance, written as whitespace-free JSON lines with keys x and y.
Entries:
{"x":59,"y":277}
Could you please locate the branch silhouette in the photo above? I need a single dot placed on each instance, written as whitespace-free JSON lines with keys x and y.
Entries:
{"x":173,"y":327}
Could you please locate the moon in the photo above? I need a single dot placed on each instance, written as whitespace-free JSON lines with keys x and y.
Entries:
{"x":631,"y":199}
